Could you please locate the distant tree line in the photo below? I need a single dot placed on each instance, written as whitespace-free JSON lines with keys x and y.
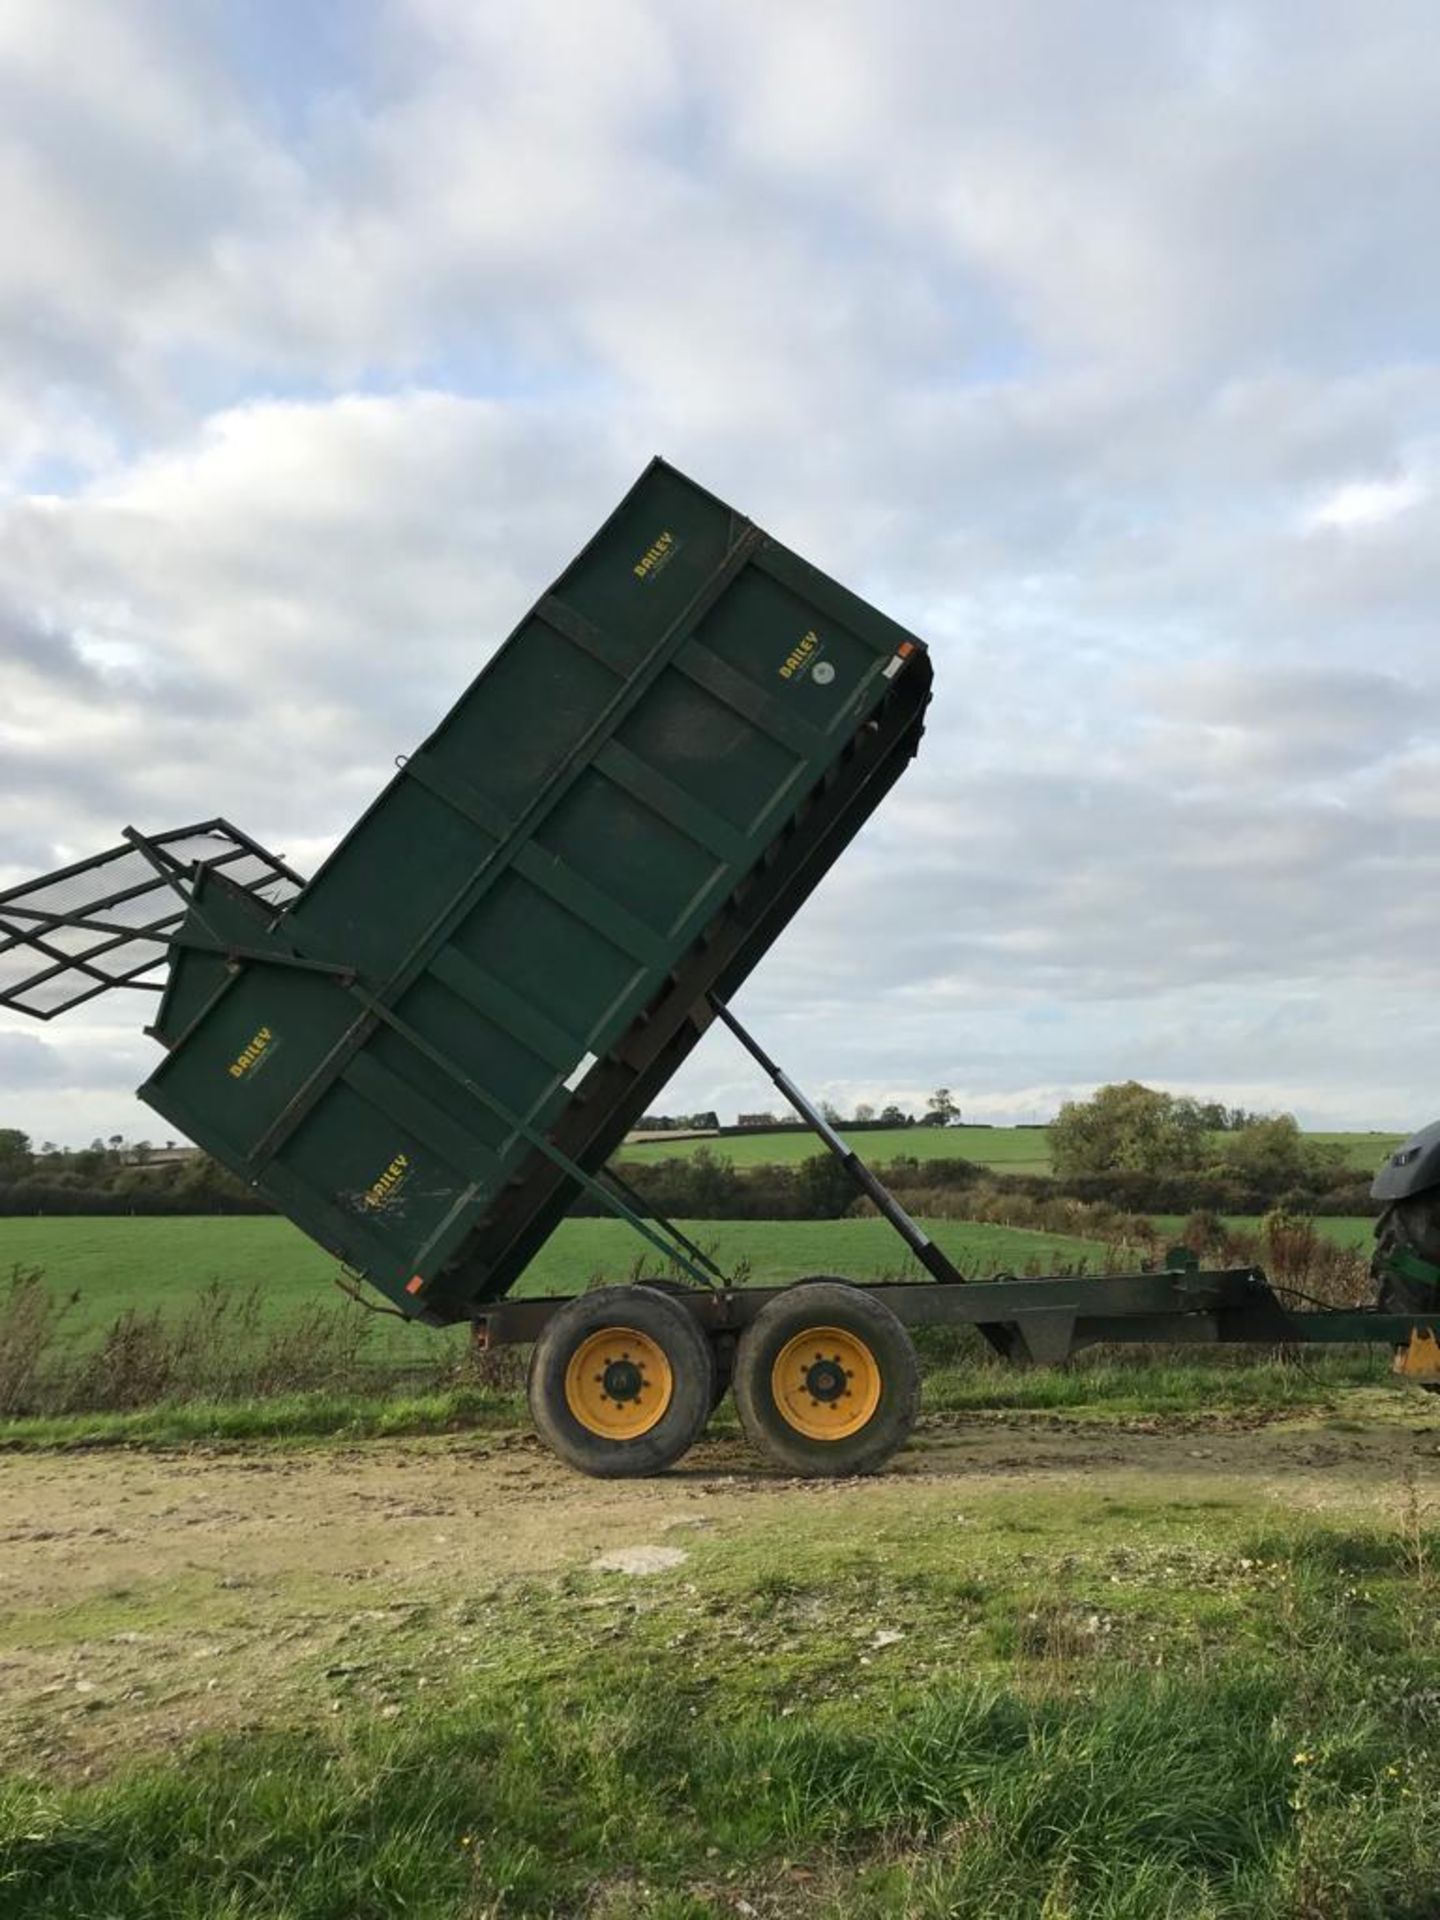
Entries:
{"x":942,"y":1111}
{"x":708,"y":1186}
{"x":114,"y":1176}
{"x":1130,"y":1146}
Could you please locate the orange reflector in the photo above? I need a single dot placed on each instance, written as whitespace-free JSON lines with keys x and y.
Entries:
{"x":414,"y":1286}
{"x":905,"y":648}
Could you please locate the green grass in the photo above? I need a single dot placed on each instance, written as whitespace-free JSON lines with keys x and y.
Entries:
{"x":1060,"y":1705}
{"x":1007,"y":1149}
{"x":1142,"y":1382}
{"x":1364,"y":1151}
{"x":284,"y":1418}
{"x":1136,"y":1383}
{"x":114,"y":1264}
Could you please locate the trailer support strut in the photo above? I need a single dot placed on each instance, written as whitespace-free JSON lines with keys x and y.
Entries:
{"x":935,"y":1263}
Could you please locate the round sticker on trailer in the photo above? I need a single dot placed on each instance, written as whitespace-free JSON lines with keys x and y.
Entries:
{"x":822,"y":673}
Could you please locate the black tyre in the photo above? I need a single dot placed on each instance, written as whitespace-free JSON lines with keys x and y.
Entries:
{"x":722,"y":1345}
{"x":1409,"y":1228}
{"x":826,"y":1380}
{"x":621,"y":1382}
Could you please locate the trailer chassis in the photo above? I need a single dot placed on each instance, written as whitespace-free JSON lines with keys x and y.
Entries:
{"x":1047,"y":1319}
{"x":1041,"y":1320}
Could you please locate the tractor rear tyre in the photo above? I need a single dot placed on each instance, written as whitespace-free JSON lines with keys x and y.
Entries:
{"x":1407,"y":1234}
{"x":826,"y":1380}
{"x":621,"y":1382}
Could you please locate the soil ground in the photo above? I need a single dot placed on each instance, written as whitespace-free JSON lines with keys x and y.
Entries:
{"x":149,"y":1597}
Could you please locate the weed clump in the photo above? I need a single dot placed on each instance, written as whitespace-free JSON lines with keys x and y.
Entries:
{"x":224,"y":1345}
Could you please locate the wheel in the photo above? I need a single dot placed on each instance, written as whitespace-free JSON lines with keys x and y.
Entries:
{"x":826,"y":1380}
{"x":621,"y":1382}
{"x":1407,"y":1242}
{"x":1407,"y":1237}
{"x":722,"y":1345}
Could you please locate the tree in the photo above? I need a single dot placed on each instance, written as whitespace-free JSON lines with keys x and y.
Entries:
{"x":864,"y":1114}
{"x":16,"y":1159}
{"x":893,"y":1117}
{"x":824,"y":1188}
{"x":1128,"y":1127}
{"x":1273,"y":1151}
{"x":713,"y":1181}
{"x":942,"y":1109}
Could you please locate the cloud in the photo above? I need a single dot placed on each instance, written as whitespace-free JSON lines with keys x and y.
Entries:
{"x":26,"y":1062}
{"x":1366,"y":503}
{"x":1098,"y":347}
{"x":1256,"y":726}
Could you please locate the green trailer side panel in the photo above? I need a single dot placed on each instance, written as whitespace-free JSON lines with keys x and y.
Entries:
{"x":517,"y":938}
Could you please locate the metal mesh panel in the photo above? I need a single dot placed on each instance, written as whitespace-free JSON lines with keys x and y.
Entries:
{"x":105,"y":922}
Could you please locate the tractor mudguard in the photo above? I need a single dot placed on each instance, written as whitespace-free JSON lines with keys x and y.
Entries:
{"x":1412,"y":1168}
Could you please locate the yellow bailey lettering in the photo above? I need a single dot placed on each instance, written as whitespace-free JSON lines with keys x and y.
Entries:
{"x":799,"y":654}
{"x":389,"y":1180}
{"x":653,"y":556}
{"x":249,"y":1054}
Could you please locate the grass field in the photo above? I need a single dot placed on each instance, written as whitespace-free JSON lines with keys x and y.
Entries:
{"x":1050,"y":1669}
{"x":115,"y":1264}
{"x":1007,"y":1149}
{"x":1123,"y":1641}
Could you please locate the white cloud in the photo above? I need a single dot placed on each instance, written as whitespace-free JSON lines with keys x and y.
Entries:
{"x":1095,"y":344}
{"x":1365,"y":503}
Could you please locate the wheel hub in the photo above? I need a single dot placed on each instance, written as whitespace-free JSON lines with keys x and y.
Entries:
{"x":618,"y":1383}
{"x":826,"y":1382}
{"x":622,"y":1379}
{"x":825,"y":1379}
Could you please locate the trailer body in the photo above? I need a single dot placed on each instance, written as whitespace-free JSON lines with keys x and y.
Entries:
{"x":459,"y":1017}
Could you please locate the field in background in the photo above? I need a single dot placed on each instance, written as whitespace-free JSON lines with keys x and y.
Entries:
{"x":115,"y":1264}
{"x":1007,"y":1149}
{"x":233,"y":1327}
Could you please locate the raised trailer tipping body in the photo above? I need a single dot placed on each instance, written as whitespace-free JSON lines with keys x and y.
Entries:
{"x":425,"y":1052}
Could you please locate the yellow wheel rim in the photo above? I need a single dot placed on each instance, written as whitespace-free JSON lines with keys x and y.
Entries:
{"x":618,"y":1383}
{"x":826,"y":1383}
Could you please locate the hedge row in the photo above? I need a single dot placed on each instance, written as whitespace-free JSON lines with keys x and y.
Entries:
{"x":708,"y":1186}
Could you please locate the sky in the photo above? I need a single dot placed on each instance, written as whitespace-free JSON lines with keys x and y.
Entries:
{"x":1099,"y":344}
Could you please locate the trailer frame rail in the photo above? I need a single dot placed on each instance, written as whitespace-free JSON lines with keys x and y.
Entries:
{"x":1047,"y":1319}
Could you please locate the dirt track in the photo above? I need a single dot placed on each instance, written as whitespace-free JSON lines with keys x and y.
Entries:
{"x":148,"y":1596}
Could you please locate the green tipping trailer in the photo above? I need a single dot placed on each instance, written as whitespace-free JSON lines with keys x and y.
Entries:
{"x":423,"y":1054}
